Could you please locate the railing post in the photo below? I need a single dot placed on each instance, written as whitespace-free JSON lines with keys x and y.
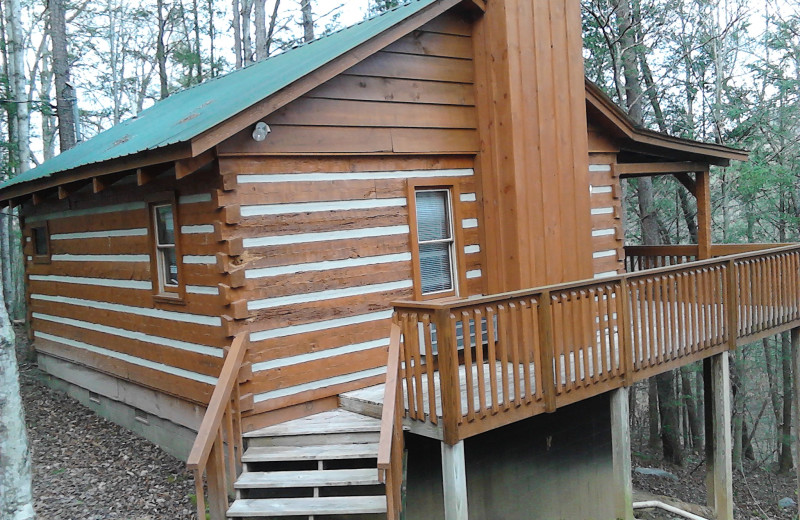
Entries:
{"x":547,"y":352}
{"x":625,"y":344}
{"x":732,"y":305}
{"x":448,"y":377}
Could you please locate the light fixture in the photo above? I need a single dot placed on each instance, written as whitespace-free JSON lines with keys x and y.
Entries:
{"x":261,"y":131}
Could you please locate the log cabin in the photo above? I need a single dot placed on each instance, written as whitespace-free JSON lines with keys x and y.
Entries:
{"x":384,"y":274}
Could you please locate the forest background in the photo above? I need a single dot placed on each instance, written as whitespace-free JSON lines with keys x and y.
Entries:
{"x":724,"y":71}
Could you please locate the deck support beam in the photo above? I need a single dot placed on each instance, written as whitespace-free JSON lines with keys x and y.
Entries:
{"x":454,"y":481}
{"x":719,"y":464}
{"x":621,"y":453}
{"x":796,"y":372}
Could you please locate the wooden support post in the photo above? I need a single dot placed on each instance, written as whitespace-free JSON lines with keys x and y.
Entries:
{"x":448,"y":377}
{"x":703,"y":194}
{"x":454,"y":481}
{"x":796,"y":368}
{"x":621,"y":453}
{"x":719,"y":464}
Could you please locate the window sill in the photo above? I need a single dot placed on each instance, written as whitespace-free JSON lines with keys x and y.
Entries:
{"x":169,"y":299}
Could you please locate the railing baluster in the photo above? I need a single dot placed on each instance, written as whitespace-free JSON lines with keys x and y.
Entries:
{"x":410,"y":336}
{"x":469,"y":388}
{"x":502,"y":323}
{"x":492,"y":353}
{"x":526,"y":321}
{"x":547,"y":347}
{"x":433,"y":412}
{"x":479,"y":362}
{"x":514,"y":346}
{"x":416,"y":358}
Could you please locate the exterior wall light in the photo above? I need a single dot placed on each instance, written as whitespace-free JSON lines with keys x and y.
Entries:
{"x":261,"y":131}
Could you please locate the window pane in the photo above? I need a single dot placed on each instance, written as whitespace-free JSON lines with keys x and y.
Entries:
{"x":435,"y":267}
{"x":166,"y":225}
{"x":39,"y":241}
{"x":433,"y":222}
{"x":169,"y":266}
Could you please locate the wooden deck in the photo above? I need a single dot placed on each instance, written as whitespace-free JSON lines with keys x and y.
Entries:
{"x":596,"y":335}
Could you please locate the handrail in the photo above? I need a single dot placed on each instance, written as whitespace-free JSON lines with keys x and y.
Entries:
{"x":470,"y":365}
{"x":390,"y":445}
{"x":456,"y":304}
{"x":207,"y":455}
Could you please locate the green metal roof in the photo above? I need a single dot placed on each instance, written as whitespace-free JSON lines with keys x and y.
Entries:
{"x":188,"y":113}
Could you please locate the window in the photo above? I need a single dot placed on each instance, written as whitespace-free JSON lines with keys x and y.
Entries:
{"x":165,"y":264}
{"x":435,"y":241}
{"x":40,"y":238}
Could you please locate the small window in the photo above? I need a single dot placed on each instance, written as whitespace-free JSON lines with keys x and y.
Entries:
{"x":40,"y":238}
{"x":435,"y":241}
{"x":166,"y":265}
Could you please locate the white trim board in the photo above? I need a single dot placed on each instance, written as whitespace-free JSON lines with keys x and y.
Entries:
{"x":266,"y":272}
{"x":316,"y":207}
{"x":350,"y":176}
{"x":322,"y":383}
{"x":324,"y":236}
{"x":282,"y":332}
{"x":332,"y":294}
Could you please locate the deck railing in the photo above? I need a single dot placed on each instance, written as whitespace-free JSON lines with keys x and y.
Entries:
{"x":471,"y":365}
{"x":390,"y":447}
{"x":639,"y":258}
{"x":217,"y":449}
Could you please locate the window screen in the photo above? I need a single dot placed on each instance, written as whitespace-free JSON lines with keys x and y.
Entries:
{"x":435,"y":235}
{"x":40,"y":241}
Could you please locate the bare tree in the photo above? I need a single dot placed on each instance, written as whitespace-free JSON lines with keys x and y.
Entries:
{"x":308,"y":20}
{"x":65,"y":94}
{"x":261,"y":29}
{"x":16,"y":500}
{"x":161,"y":50}
{"x":237,"y":34}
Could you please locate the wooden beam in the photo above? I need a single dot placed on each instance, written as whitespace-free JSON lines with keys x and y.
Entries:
{"x":621,"y":453}
{"x":687,"y":182}
{"x":703,"y":195}
{"x":149,"y":173}
{"x":454,"y":481}
{"x":63,"y":192}
{"x":659,"y":168}
{"x":475,"y":6}
{"x":719,"y":479}
{"x":101,"y":183}
{"x":186,"y":167}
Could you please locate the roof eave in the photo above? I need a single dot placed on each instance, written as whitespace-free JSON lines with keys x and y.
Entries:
{"x":715,"y":154}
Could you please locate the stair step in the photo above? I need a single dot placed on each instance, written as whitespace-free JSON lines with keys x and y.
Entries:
{"x":307,"y":506}
{"x":308,"y":479}
{"x":333,"y":422}
{"x":315,"y":452}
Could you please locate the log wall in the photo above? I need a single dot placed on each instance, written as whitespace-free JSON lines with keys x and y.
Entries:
{"x":93,"y":303}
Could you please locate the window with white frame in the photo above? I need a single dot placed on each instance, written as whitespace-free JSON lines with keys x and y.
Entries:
{"x":166,"y":260}
{"x":435,"y":241}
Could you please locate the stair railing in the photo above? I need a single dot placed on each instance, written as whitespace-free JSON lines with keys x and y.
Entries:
{"x":220,"y":437}
{"x":390,"y":447}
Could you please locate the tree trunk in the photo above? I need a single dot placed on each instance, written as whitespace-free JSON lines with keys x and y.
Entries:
{"x":785,"y":463}
{"x":237,"y":34}
{"x":272,"y":22}
{"x":692,"y":410}
{"x":247,"y":44}
{"x":653,"y":420}
{"x":670,"y":434}
{"x":197,"y":48}
{"x":211,"y":40}
{"x":161,"y":51}
{"x":16,"y":500}
{"x":769,"y":368}
{"x":261,"y":29}
{"x":65,"y":93}
{"x":21,"y":151}
{"x":308,"y":20}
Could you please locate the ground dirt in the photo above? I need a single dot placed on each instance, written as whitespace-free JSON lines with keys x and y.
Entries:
{"x":88,"y":468}
{"x":756,"y":491}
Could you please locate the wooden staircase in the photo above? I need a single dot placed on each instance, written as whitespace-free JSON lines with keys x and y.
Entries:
{"x":321,"y":467}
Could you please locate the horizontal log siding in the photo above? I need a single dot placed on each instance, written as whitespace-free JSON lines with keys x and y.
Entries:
{"x":93,"y":303}
{"x":415,"y":96}
{"x":608,"y":249}
{"x":318,"y":297}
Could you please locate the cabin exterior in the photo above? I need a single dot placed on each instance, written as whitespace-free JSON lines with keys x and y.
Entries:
{"x":431,"y":215}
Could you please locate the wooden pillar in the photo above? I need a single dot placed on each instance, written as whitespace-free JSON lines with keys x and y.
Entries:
{"x":703,"y":195}
{"x":796,"y":371}
{"x":621,"y":453}
{"x":454,"y":481}
{"x":719,"y":485}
